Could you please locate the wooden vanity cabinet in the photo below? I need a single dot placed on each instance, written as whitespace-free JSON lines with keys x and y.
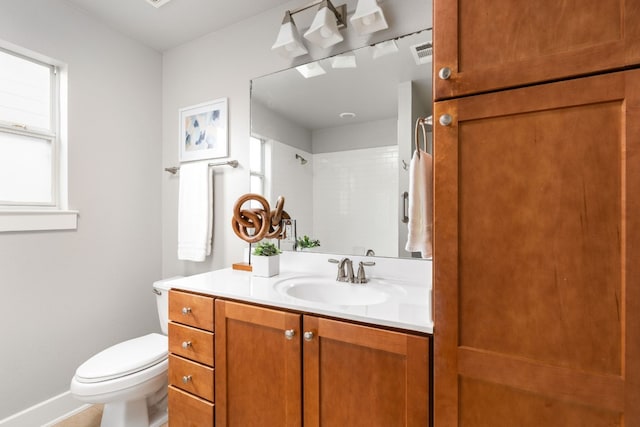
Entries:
{"x":496,"y":44}
{"x":537,"y":242}
{"x":191,"y":360}
{"x":275,"y":368}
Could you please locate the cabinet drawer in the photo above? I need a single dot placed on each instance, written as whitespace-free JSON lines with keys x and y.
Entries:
{"x":191,"y":343}
{"x":191,"y":376}
{"x":190,"y":309}
{"x":187,"y":410}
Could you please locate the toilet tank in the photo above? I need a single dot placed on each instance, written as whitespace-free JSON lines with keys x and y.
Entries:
{"x":161,"y":290}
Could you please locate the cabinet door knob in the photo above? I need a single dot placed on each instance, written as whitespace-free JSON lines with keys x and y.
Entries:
{"x":445,"y":120}
{"x":186,"y":379}
{"x":186,"y":344}
{"x":308,"y":336}
{"x":186,"y":310}
{"x":444,"y":73}
{"x":289,"y":334}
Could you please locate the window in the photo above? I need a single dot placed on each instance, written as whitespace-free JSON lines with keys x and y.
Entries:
{"x":32,"y":167}
{"x":257,"y":165}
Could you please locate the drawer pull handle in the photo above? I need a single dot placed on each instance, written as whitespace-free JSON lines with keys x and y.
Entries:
{"x":445,"y":120}
{"x":289,"y":334}
{"x":186,"y":310}
{"x":186,"y":344}
{"x":444,"y":73}
{"x":186,"y":379}
{"x":308,"y":336}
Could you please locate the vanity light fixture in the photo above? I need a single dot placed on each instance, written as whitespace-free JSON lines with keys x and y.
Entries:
{"x":384,"y":49}
{"x":324,"y":28}
{"x":346,"y":60}
{"x":368,"y":17}
{"x":289,"y":43}
{"x":312,"y":69}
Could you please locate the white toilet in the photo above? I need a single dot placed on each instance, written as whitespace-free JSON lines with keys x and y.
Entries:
{"x":130,"y":378}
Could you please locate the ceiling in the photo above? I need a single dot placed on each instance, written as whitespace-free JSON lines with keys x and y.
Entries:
{"x":370,"y":91}
{"x":174,"y":23}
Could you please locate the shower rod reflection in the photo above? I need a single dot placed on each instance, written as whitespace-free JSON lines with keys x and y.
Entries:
{"x":303,"y":161}
{"x":233,"y":163}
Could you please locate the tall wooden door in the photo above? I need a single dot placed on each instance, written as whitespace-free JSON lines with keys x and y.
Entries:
{"x":362,"y":376}
{"x":537,"y":249}
{"x":495,"y":44}
{"x":258,"y":366}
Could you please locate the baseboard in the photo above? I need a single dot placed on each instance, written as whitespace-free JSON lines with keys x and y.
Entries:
{"x":46,"y":413}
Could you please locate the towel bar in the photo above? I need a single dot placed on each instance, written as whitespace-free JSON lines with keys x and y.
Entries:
{"x":233,"y":163}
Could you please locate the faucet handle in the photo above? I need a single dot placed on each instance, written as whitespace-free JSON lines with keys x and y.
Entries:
{"x":361,"y":277}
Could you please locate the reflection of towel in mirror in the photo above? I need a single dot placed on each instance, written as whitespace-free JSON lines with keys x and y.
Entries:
{"x":420,"y":204}
{"x":195,"y":211}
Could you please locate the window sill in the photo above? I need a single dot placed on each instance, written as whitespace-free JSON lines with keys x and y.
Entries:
{"x":35,"y":220}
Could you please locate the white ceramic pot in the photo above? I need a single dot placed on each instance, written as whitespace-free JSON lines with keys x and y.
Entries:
{"x":265,"y":266}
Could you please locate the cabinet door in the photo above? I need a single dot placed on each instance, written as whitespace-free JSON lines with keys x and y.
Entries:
{"x":258,"y":368}
{"x":361,"y":376}
{"x":492,"y":44}
{"x":537,"y":242}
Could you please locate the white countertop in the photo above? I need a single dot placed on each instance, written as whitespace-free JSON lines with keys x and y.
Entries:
{"x":407,"y":307}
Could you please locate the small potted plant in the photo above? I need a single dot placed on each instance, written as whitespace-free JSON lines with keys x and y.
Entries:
{"x":306,"y":242}
{"x":266,"y":260}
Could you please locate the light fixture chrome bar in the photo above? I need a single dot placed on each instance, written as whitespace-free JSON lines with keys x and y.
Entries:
{"x":340,"y":11}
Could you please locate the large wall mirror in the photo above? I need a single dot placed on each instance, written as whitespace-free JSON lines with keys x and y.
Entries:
{"x":335,"y":138}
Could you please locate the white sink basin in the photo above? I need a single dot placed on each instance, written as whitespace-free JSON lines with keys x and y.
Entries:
{"x":327,"y":291}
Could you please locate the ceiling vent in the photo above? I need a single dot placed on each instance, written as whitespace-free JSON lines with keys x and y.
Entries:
{"x":422,"y":53}
{"x":158,"y":3}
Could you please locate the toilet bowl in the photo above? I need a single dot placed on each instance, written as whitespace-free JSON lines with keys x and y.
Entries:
{"x":129,"y":378}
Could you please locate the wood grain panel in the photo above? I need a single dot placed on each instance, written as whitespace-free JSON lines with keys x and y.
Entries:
{"x":536,"y":230}
{"x":199,"y":309}
{"x":258,"y":371}
{"x":187,"y":410}
{"x":200,"y":346}
{"x":540,"y":251}
{"x":484,"y":404}
{"x":200,"y":380}
{"x":496,"y":44}
{"x":361,"y":376}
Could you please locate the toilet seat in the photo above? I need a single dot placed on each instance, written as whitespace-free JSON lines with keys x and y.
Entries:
{"x":124,"y":359}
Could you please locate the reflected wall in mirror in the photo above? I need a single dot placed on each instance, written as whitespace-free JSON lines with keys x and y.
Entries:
{"x":338,"y":145}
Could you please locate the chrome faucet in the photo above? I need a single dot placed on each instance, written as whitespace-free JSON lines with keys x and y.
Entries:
{"x":345,"y":271}
{"x":362,"y":278}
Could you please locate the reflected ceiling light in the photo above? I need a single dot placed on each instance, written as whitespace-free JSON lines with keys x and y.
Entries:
{"x":157,"y":3}
{"x":289,"y":43}
{"x":368,"y":17}
{"x":311,"y":69}
{"x":384,"y":48}
{"x":324,"y":28}
{"x":346,"y":60}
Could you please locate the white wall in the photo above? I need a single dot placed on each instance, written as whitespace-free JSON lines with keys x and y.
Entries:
{"x":66,"y":295}
{"x":354,"y":205}
{"x":222,"y":64}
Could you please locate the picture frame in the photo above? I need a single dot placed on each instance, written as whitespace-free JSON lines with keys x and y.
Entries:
{"x":203,"y":131}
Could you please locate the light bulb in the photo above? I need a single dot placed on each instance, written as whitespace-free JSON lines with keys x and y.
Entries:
{"x":369,"y":19}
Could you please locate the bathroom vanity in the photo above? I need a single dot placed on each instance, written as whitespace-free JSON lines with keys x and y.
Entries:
{"x":285,"y":360}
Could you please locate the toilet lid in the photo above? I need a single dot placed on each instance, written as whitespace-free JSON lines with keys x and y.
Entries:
{"x":124,"y":359}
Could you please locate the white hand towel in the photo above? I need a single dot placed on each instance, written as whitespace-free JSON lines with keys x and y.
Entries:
{"x":195,"y":211}
{"x":420,"y":204}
